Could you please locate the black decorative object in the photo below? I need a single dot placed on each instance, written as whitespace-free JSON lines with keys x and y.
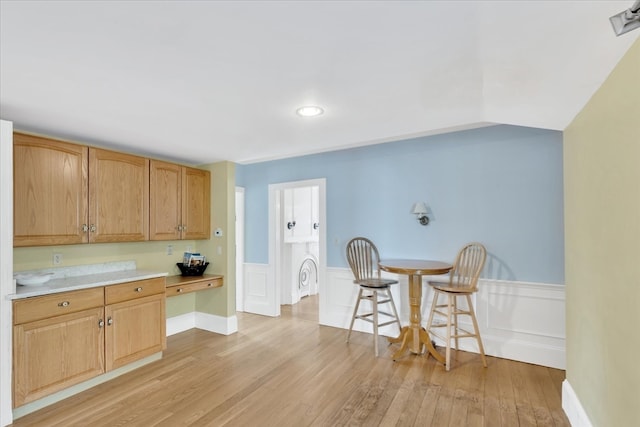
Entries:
{"x":194,"y":270}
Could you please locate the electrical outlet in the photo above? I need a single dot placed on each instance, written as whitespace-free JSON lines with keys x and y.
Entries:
{"x":57,"y":259}
{"x":169,"y":249}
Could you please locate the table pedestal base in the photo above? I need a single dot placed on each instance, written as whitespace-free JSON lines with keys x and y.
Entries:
{"x":407,"y":338}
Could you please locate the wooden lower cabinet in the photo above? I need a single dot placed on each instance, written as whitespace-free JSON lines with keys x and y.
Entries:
{"x":135,"y":329}
{"x":53,"y":351}
{"x":52,"y":354}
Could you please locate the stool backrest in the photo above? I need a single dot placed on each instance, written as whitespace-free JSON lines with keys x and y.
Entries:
{"x":468,"y":266}
{"x":363,"y":258}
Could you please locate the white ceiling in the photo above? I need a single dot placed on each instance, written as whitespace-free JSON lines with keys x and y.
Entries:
{"x":202,"y":81}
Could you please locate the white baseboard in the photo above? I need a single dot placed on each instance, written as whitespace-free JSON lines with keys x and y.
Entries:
{"x":181,"y":323}
{"x":573,"y":408}
{"x":208,"y":322}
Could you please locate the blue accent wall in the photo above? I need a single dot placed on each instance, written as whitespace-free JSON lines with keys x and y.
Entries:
{"x":500,"y":185}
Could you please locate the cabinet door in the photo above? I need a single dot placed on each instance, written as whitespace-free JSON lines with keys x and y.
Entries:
{"x":49,"y":192}
{"x":118,"y":197}
{"x":52,"y":354}
{"x":196,"y":204}
{"x":135,"y":329}
{"x":287,"y":214}
{"x":165,"y":201}
{"x":302,"y":213}
{"x":297,"y":211}
{"x":315,"y":213}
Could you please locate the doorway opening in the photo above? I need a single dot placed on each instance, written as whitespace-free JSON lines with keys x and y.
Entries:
{"x":297,"y":239}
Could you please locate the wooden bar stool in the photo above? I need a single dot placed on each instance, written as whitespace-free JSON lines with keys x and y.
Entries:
{"x":463,"y":281}
{"x":363,"y":258}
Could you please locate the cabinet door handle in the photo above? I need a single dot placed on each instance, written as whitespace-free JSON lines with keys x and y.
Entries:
{"x":100,"y":323}
{"x":291,"y":224}
{"x":85,"y":228}
{"x":184,"y":227}
{"x":64,"y":304}
{"x":316,"y":225}
{"x":209,"y":284}
{"x":179,"y":290}
{"x":92,"y":228}
{"x":109,"y":321}
{"x":179,"y":228}
{"x":138,"y":289}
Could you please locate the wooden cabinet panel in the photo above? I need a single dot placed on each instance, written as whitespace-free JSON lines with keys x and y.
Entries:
{"x":50,"y":191}
{"x":165,"y":196}
{"x":180,"y":285}
{"x":132,"y":290}
{"x":52,"y":354}
{"x":118,"y":197}
{"x":46,"y":306}
{"x":180,"y":202}
{"x":59,"y":341}
{"x":135,"y":329}
{"x":66,"y":193}
{"x":196,"y":204}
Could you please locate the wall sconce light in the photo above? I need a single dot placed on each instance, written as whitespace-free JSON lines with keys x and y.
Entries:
{"x":626,"y":20}
{"x":420,"y":210}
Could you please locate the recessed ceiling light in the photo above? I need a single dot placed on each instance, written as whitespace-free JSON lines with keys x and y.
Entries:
{"x":309,"y":111}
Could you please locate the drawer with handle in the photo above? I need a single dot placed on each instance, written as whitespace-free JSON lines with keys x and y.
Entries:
{"x":183,"y":285}
{"x":132,"y":290}
{"x":42,"y":307}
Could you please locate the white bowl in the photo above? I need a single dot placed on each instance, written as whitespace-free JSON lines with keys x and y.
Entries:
{"x":33,"y":279}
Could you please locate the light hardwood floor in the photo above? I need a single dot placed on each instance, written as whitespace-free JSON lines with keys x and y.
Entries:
{"x":289,"y":371}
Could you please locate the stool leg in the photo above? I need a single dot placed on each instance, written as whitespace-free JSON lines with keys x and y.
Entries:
{"x":449,"y":313}
{"x":374,"y":301}
{"x":455,"y":320}
{"x":477,"y":331}
{"x":436,"y":294}
{"x":355,"y":313}
{"x":393,"y":307}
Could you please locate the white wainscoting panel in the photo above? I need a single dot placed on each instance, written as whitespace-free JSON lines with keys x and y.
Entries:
{"x":518,"y":320}
{"x":260,"y":295}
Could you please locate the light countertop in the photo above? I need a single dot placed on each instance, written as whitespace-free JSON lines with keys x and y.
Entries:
{"x":85,"y":278}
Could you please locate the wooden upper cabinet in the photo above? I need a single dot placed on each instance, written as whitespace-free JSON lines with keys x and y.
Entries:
{"x":165,"y":200}
{"x":179,"y":202}
{"x":118,"y":197}
{"x":50,"y":191}
{"x":66,"y":193}
{"x":196,"y":204}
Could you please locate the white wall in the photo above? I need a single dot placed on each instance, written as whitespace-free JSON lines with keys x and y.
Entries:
{"x":7,"y":286}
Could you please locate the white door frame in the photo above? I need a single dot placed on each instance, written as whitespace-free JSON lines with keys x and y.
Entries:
{"x":7,"y":284}
{"x":239,"y":248}
{"x":276,"y":225}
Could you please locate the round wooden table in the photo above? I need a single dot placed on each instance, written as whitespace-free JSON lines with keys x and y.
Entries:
{"x":414,"y":335}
